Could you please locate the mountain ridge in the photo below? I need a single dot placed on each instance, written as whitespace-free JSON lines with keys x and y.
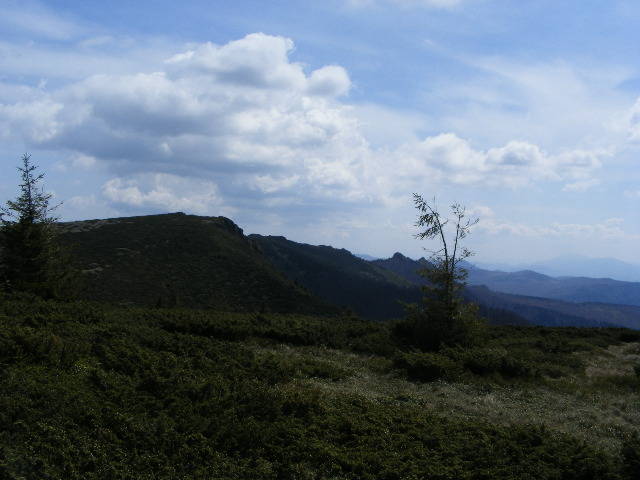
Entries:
{"x":208,"y":262}
{"x":575,"y":266}
{"x":178,"y":259}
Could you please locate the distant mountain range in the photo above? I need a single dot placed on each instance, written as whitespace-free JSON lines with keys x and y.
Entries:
{"x":533,"y":308}
{"x":364,"y":256}
{"x":575,"y":266}
{"x":572,"y":289}
{"x":208,"y":262}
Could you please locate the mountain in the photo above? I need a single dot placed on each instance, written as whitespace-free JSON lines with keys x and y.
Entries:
{"x":555,"y":313}
{"x":572,"y":289}
{"x":576,"y":266}
{"x":178,"y":259}
{"x":208,"y":262}
{"x":366,"y":257}
{"x":536,"y":310}
{"x":339,"y":277}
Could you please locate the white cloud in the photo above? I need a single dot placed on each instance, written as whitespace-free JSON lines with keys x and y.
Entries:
{"x":447,"y":157}
{"x":252,"y":123}
{"x":66,"y":62}
{"x":581,"y":185}
{"x":611,"y":228}
{"x":165,"y":192}
{"x":36,"y":120}
{"x":482,"y":211}
{"x":82,"y":161}
{"x":556,"y":104}
{"x":330,"y":81}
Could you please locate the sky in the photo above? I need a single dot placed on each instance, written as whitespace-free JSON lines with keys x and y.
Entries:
{"x":318,"y":120}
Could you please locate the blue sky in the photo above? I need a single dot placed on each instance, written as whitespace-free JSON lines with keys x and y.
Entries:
{"x":317,"y":120}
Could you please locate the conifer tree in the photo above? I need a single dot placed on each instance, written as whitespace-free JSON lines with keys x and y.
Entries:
{"x":30,"y":259}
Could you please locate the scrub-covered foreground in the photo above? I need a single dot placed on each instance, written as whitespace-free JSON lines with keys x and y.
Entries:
{"x":89,"y":391}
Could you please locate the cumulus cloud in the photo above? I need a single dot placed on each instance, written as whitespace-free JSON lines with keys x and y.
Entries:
{"x":36,"y":120}
{"x":217,"y":124}
{"x":449,"y":157}
{"x":162,"y":191}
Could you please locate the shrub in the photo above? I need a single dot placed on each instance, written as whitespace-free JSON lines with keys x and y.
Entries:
{"x":517,"y":367}
{"x":428,"y":367}
{"x":495,"y":360}
{"x":429,"y":332}
{"x":483,"y":361}
{"x":631,"y":457}
{"x":629,"y":336}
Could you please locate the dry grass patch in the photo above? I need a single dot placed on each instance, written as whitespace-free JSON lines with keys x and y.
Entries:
{"x":617,"y":360}
{"x":568,"y":405}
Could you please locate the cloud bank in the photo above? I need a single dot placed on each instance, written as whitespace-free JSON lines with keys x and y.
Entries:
{"x":218,"y":127}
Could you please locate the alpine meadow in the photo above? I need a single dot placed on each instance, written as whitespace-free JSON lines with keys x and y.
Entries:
{"x":439,"y":278}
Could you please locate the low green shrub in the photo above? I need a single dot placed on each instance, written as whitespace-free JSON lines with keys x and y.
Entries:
{"x":166,"y":394}
{"x":431,"y":332}
{"x":631,"y":457}
{"x":628,"y":336}
{"x":483,"y":361}
{"x":492,"y":361}
{"x":427,"y":367}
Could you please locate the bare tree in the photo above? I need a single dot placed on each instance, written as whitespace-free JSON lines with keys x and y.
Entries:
{"x":443,"y":318}
{"x":445,"y":272}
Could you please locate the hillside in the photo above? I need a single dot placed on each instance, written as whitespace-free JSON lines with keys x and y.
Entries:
{"x":178,"y":259}
{"x":340,"y":278}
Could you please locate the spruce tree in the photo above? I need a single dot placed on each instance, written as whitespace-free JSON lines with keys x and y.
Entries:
{"x":30,"y":259}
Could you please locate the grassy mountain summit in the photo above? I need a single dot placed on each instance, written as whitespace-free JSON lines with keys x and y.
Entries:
{"x":177,"y":259}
